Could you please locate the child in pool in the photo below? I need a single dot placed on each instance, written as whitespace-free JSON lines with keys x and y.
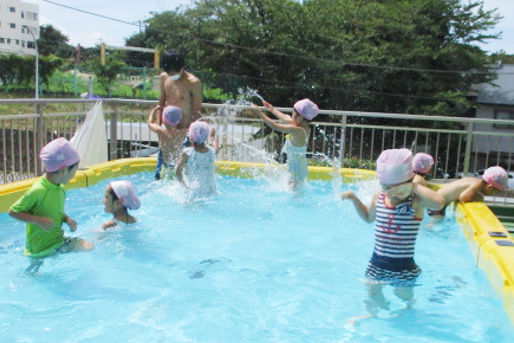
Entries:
{"x":42,"y":206}
{"x":493,"y":181}
{"x":422,"y":164}
{"x":398,"y":210}
{"x":200,"y":163}
{"x":298,"y":129}
{"x":120,"y":196}
{"x":170,"y":139}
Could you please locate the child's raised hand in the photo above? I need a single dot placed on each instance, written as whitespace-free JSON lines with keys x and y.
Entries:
{"x":347,"y":195}
{"x":257,"y":110}
{"x":267,"y":105}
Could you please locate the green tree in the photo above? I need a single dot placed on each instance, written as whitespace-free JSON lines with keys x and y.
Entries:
{"x":52,"y":41}
{"x":107,"y":74}
{"x":47,"y":66}
{"x":417,"y":56}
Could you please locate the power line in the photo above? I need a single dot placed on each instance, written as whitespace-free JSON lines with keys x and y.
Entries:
{"x":91,"y":13}
{"x":262,"y":51}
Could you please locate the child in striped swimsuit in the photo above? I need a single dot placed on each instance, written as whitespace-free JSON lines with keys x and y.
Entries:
{"x":397,"y":210}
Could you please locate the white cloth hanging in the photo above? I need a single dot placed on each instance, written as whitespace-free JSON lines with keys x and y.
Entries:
{"x":90,"y":139}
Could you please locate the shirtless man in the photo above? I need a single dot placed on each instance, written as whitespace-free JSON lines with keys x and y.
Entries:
{"x":182,"y":89}
{"x":469,"y":189}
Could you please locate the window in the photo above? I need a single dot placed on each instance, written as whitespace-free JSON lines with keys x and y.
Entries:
{"x":12,"y":9}
{"x":23,"y":29}
{"x":17,"y":42}
{"x":12,"y":25}
{"x":505,"y":114}
{"x":30,"y":45}
{"x":32,"y":15}
{"x":22,"y":14}
{"x":8,"y":40}
{"x":2,"y":40}
{"x":22,"y":43}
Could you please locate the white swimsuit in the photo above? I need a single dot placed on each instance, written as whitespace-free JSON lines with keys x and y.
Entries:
{"x":200,"y":171}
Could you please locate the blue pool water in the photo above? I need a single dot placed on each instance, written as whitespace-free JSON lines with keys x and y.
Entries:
{"x":254,"y":264}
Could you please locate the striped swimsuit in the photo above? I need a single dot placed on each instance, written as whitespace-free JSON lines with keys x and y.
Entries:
{"x":396,"y":230}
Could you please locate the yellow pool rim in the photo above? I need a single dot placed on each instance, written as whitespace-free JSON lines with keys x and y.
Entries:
{"x":475,"y":219}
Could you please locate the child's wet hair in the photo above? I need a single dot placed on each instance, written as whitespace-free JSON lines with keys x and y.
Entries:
{"x":112,"y":193}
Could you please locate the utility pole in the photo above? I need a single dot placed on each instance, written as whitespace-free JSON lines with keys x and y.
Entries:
{"x":36,"y":86}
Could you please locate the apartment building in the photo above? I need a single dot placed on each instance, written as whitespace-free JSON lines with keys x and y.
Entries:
{"x":19,"y":27}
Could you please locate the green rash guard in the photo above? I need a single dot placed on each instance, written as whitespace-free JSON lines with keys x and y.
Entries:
{"x":43,"y":199}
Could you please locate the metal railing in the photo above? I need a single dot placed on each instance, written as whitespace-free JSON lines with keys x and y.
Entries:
{"x":460,"y":146}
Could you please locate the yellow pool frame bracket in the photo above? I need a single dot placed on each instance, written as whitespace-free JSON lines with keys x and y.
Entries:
{"x":492,"y":247}
{"x":489,"y":240}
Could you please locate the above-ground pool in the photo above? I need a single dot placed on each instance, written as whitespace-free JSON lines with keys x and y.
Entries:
{"x":254,"y":264}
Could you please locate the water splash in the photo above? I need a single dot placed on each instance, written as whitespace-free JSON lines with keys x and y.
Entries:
{"x":250,"y":93}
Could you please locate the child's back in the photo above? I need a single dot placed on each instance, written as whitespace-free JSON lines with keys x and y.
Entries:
{"x":170,"y":138}
{"x":465,"y":189}
{"x":201,"y":172}
{"x":200,"y":163}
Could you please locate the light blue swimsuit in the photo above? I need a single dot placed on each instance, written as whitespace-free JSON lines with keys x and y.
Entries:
{"x":296,"y":161}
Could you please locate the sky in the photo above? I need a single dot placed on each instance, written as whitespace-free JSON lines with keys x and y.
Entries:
{"x":89,"y":30}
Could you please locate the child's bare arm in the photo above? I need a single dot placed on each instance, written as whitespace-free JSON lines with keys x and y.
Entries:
{"x":152,"y":125}
{"x":45,"y":222}
{"x":366,"y":213}
{"x":108,"y":224}
{"x":71,"y":223}
{"x":287,"y":128}
{"x":282,"y":116}
{"x":180,"y":167}
{"x":470,"y":193}
{"x":214,"y":141}
{"x":428,"y":198}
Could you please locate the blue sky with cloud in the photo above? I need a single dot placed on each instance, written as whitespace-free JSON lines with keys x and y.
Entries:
{"x":90,"y":30}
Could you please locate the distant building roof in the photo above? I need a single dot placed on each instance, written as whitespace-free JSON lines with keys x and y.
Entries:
{"x":503,"y":94}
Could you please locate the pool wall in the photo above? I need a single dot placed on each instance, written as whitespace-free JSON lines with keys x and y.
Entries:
{"x":492,"y":248}
{"x":489,"y":240}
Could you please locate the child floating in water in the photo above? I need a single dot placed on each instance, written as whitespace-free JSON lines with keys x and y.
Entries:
{"x":119,"y":197}
{"x":42,"y":206}
{"x":298,"y":129}
{"x":468,"y":189}
{"x":398,"y":210}
{"x":170,"y":139}
{"x":422,"y":164}
{"x":200,"y":163}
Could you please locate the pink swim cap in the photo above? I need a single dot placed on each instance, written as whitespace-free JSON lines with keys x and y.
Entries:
{"x":306,"y":108}
{"x":198,"y":132}
{"x":496,"y":177}
{"x":171,"y":115}
{"x":394,"y":166}
{"x":58,"y":154}
{"x":422,"y":163}
{"x":126,"y":194}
